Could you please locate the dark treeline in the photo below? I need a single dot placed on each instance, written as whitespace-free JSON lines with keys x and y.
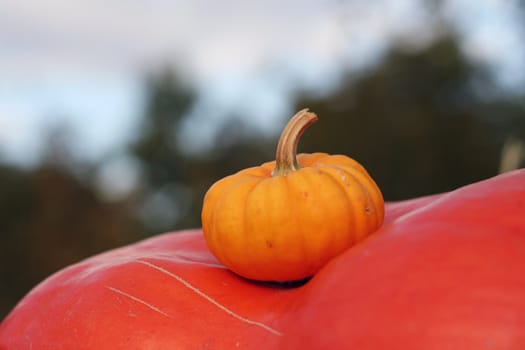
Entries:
{"x":417,"y":121}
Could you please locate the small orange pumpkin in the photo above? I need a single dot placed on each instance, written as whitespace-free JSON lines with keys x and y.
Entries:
{"x":285,"y":219}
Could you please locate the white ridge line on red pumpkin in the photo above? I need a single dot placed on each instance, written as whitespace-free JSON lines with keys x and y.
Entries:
{"x":209,"y":299}
{"x":134,"y":298}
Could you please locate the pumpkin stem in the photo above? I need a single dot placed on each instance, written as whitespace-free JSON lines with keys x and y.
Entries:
{"x":285,"y":157}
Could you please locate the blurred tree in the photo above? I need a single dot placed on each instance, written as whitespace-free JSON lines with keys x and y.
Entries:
{"x":156,"y":146}
{"x":164,"y":194}
{"x":415,"y":122}
{"x":51,"y":218}
{"x":173,"y":179}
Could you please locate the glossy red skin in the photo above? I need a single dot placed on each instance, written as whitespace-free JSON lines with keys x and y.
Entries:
{"x":444,"y":272}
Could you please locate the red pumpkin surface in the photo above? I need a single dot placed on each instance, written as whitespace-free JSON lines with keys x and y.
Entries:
{"x":444,"y":272}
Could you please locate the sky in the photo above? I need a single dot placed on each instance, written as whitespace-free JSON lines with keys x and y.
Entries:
{"x":83,"y":62}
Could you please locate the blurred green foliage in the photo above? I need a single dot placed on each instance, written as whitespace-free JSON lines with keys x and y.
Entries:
{"x":417,"y":121}
{"x":50,"y":219}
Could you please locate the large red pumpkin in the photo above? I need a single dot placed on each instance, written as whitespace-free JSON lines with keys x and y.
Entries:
{"x":444,"y":272}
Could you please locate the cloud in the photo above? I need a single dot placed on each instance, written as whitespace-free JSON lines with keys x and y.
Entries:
{"x":205,"y":36}
{"x":83,"y":59}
